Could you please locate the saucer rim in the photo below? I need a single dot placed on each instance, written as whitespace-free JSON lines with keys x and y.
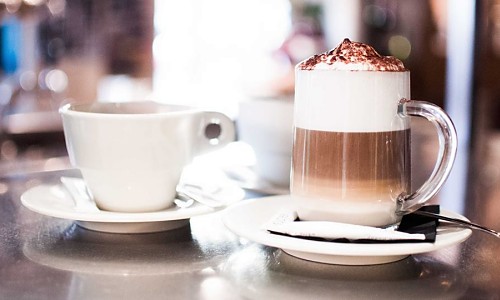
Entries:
{"x":35,"y":197}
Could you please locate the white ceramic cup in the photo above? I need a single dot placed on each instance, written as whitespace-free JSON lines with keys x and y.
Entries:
{"x":267,"y":126}
{"x":131,"y":155}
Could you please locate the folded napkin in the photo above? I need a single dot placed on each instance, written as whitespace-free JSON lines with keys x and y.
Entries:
{"x":412,"y":228}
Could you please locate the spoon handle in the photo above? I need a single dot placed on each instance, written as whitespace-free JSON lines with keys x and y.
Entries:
{"x":78,"y":191}
{"x":458,"y":221}
{"x":188,"y":195}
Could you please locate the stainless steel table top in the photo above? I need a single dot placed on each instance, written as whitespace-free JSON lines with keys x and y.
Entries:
{"x":49,"y":258}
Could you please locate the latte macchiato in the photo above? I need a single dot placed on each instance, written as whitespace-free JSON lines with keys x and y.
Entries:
{"x":351,"y":152}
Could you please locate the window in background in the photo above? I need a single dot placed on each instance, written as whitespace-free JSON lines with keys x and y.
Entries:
{"x":210,"y":53}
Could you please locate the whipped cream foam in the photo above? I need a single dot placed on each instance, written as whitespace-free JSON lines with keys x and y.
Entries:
{"x":352,"y":56}
{"x":328,"y":98}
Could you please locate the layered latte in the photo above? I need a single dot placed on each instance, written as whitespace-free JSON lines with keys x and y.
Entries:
{"x":351,"y":155}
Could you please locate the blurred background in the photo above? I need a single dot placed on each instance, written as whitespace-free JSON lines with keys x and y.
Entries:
{"x":218,"y":54}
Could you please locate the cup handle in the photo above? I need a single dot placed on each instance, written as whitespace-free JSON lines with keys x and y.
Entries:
{"x":217,"y":130}
{"x":447,"y":136}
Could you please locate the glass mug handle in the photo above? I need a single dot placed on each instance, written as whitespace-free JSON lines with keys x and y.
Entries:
{"x":447,"y":136}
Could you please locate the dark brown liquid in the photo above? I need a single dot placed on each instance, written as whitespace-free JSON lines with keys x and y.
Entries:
{"x":351,"y":165}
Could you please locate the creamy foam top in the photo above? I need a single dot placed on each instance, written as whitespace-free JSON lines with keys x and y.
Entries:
{"x":350,"y":101}
{"x":352,"y":56}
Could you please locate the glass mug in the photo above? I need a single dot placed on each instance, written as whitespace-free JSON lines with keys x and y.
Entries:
{"x":351,"y":151}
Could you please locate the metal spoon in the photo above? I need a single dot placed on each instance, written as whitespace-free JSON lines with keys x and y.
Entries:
{"x":185,"y":194}
{"x":183,"y":203}
{"x":78,"y":191}
{"x":458,"y":222}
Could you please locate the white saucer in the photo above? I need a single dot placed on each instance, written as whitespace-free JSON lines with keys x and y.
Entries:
{"x":247,"y":218}
{"x":55,"y":201}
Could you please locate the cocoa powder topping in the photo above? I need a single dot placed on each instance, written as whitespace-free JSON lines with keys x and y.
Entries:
{"x":353,"y":56}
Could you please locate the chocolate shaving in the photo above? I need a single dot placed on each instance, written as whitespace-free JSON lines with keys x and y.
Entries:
{"x":354,"y":53}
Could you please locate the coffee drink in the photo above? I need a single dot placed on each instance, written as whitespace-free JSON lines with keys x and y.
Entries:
{"x":351,"y":155}
{"x":343,"y":163}
{"x":351,"y":150}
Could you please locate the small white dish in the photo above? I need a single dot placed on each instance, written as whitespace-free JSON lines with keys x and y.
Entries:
{"x":55,"y":201}
{"x":247,"y":218}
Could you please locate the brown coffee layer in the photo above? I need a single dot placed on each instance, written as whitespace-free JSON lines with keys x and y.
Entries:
{"x":356,"y":163}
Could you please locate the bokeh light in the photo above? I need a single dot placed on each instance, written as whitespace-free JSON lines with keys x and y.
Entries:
{"x":399,"y":46}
